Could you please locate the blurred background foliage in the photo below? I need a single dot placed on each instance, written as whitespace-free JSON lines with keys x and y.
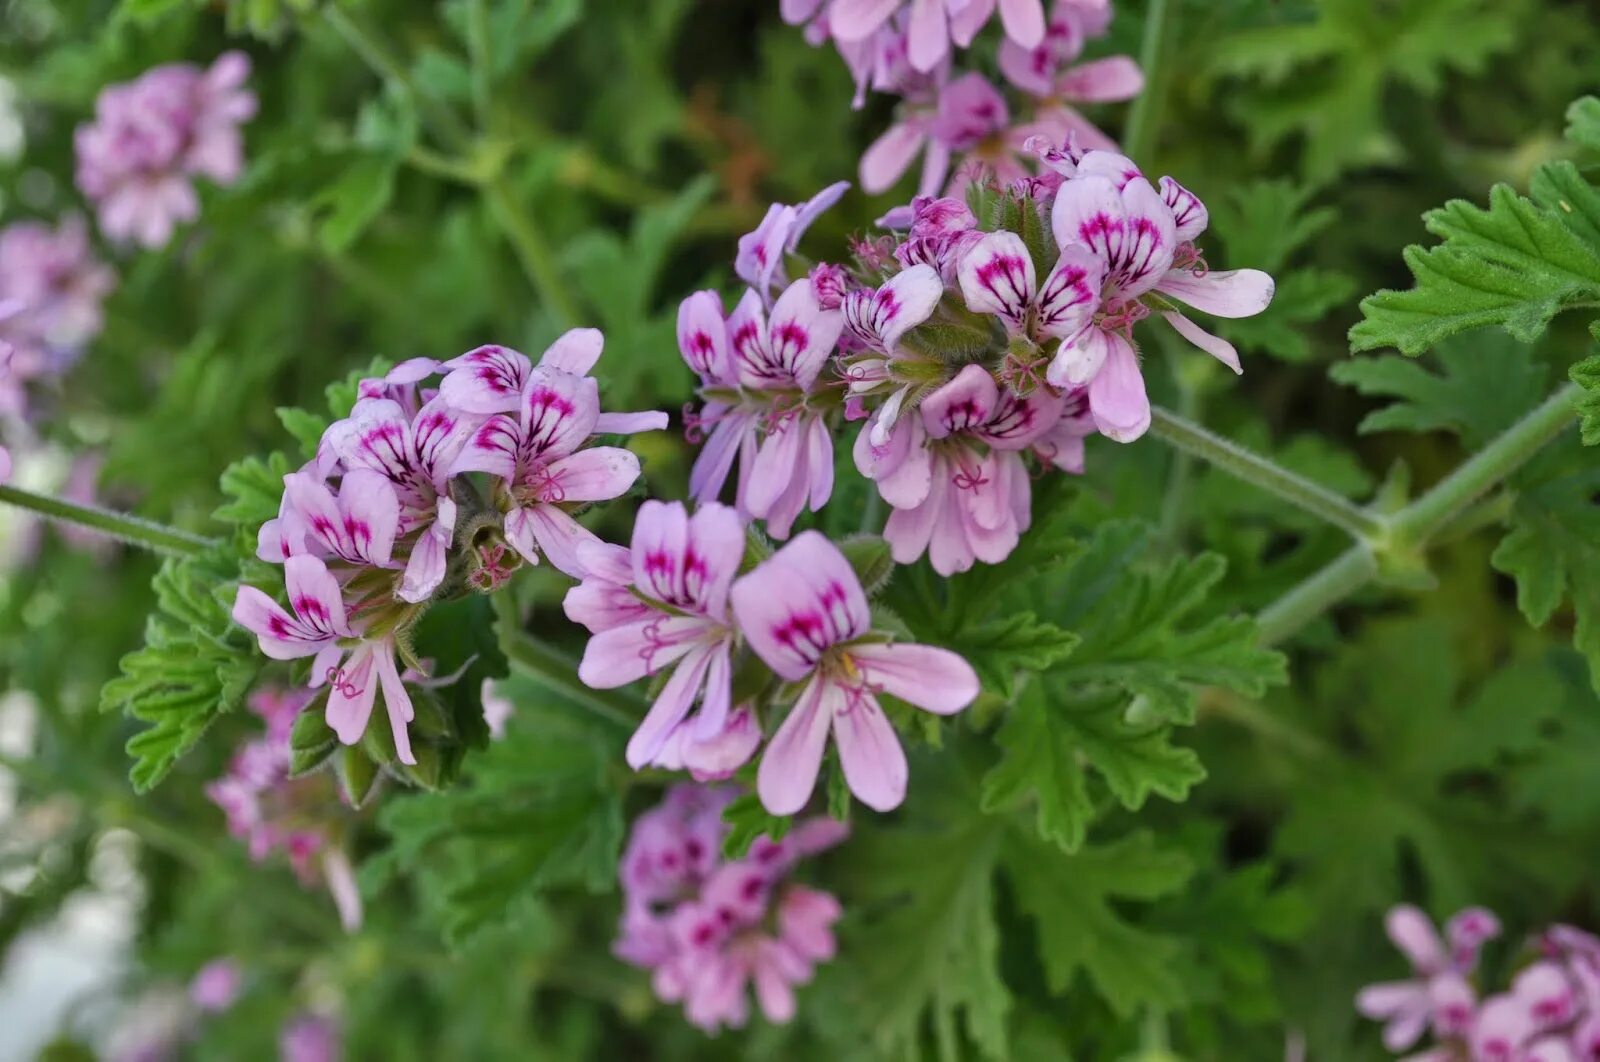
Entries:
{"x":1430,"y":745}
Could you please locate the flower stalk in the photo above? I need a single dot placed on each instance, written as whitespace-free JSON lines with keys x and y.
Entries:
{"x":135,"y":531}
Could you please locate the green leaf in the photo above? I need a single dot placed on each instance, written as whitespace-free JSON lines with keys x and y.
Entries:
{"x":255,"y":489}
{"x":1143,"y":631}
{"x":1553,"y":547}
{"x":1515,"y":265}
{"x":147,"y":11}
{"x":355,"y":200}
{"x":1049,"y":738}
{"x":1003,"y":651}
{"x":1583,"y":122}
{"x":537,"y":811}
{"x":1586,"y":374}
{"x":930,"y":952}
{"x":1483,"y":384}
{"x":748,"y":820}
{"x":1070,"y":899}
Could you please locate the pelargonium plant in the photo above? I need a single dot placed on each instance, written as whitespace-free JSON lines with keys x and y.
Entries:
{"x":929,"y":681}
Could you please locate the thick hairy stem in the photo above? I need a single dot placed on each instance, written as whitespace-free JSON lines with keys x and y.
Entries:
{"x":1418,"y":522}
{"x":1349,"y":572}
{"x":1414,"y":528}
{"x":133,"y":530}
{"x":1258,"y":471}
{"x":532,"y":251}
{"x":1138,"y":139}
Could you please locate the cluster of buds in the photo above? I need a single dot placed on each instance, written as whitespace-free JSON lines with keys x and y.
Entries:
{"x":708,"y":929}
{"x":907,"y":48}
{"x":271,"y":812}
{"x":428,"y":493}
{"x":152,"y":136}
{"x":1550,"y":1012}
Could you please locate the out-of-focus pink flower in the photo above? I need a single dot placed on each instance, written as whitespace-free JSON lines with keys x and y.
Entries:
{"x":310,"y":1038}
{"x":933,"y":26}
{"x":759,"y":262}
{"x":1051,"y":73}
{"x":151,"y":136}
{"x":710,"y":930}
{"x":217,"y":985}
{"x":1439,"y":994}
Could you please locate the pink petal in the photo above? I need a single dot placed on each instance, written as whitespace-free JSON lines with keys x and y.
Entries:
{"x":1188,"y":211}
{"x":376,"y":436}
{"x":928,"y":34}
{"x":351,"y":697}
{"x":1228,"y":293}
{"x":1116,"y":394}
{"x":965,"y":404}
{"x":439,"y":433}
{"x":281,"y":636}
{"x":575,"y":351}
{"x":798,"y":602}
{"x":1413,"y":933}
{"x":715,"y":461}
{"x":1077,"y":361}
{"x":559,"y":412}
{"x":1109,"y":80}
{"x":881,"y":317}
{"x":1023,"y":21}
{"x":933,"y":679}
{"x":1216,"y":346}
{"x":397,"y":702}
{"x":778,"y":463}
{"x":425,"y":570}
{"x":630,"y":423}
{"x":315,"y":596}
{"x":371,"y":515}
{"x":870,"y":753}
{"x":788,"y":771}
{"x":599,"y":473}
{"x":1071,"y":293}
{"x":889,"y":156}
{"x":559,"y":537}
{"x":486,"y":380}
{"x":703,"y":337}
{"x":909,"y":530}
{"x":624,"y":654}
{"x":493,"y":447}
{"x":801,"y":334}
{"x":853,"y":20}
{"x":997,"y":277}
{"x":520,"y":534}
{"x":669,"y":709}
{"x":819,"y":459}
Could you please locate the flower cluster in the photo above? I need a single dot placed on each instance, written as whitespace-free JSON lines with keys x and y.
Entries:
{"x":272,"y":812}
{"x":672,"y":602}
{"x":432,"y":492}
{"x":964,"y":362}
{"x":906,"y":49}
{"x":707,"y":928}
{"x":151,"y":137}
{"x":1550,"y":1013}
{"x":51,"y":290}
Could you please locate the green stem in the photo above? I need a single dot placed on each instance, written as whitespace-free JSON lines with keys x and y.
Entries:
{"x":1418,"y":525}
{"x":532,"y":251}
{"x":478,"y":43}
{"x":1349,"y":572}
{"x":441,"y":119}
{"x":1418,"y":522}
{"x":1138,"y":139}
{"x":1250,"y":467}
{"x":133,"y":530}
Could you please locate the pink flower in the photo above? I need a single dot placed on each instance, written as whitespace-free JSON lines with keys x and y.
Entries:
{"x":1502,"y":1028}
{"x":804,"y":613}
{"x":1439,"y":995}
{"x":416,"y":454}
{"x":957,"y":480}
{"x":271,"y":812}
{"x":760,"y":259}
{"x":1047,"y":71}
{"x":310,"y":1038}
{"x":776,"y":362}
{"x":541,"y":455}
{"x":709,"y":930}
{"x":942,"y":231}
{"x":216,"y":986}
{"x":933,"y":25}
{"x":56,"y":288}
{"x":152,"y":135}
{"x":353,"y":690}
{"x":682,"y":567}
